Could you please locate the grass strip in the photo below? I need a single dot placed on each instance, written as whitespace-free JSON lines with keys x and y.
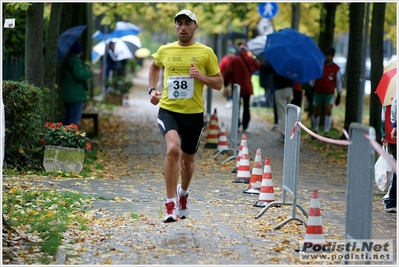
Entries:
{"x":43,"y":215}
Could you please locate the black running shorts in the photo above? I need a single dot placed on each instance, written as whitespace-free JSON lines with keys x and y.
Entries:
{"x":188,"y":126}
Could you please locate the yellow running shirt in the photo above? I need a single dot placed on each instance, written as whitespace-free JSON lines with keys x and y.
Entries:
{"x":181,"y":93}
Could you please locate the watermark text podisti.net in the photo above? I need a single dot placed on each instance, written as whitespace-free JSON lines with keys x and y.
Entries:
{"x":357,"y":250}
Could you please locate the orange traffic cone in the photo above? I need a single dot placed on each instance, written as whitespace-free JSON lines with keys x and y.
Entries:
{"x":243,"y":171}
{"x":213,"y":139}
{"x":314,"y":228}
{"x":266,"y":194}
{"x":256,"y":176}
{"x":239,"y":153}
{"x":222,"y":145}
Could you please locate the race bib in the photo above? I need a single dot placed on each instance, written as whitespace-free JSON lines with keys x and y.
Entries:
{"x":180,"y":87}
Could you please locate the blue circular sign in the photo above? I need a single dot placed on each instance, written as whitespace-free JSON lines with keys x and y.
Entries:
{"x":268,"y":10}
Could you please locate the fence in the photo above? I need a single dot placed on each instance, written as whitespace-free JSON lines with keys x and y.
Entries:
{"x":13,"y":68}
{"x":361,"y":158}
{"x":291,"y":165}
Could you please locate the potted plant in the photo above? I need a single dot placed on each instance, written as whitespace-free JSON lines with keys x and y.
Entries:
{"x":119,"y":86}
{"x":64,"y":147}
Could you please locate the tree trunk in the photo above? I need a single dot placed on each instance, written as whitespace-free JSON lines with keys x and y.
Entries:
{"x":34,"y":45}
{"x":377,"y":67}
{"x":295,"y":7}
{"x":50,"y":56}
{"x":327,"y":25}
{"x":354,"y":60}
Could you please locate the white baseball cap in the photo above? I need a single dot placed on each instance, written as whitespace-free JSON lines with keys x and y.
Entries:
{"x":187,"y":13}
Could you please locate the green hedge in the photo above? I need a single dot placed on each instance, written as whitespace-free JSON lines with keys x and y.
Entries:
{"x":24,"y":124}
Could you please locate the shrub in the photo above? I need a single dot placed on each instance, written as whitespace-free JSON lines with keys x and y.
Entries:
{"x":119,"y":84}
{"x":23,"y":118}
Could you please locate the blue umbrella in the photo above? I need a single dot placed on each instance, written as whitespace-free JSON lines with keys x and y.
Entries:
{"x":122,"y":28}
{"x":67,"y":38}
{"x":294,"y":55}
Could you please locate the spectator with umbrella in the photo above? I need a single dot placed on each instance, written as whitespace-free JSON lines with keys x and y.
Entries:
{"x":293,"y":56}
{"x":387,"y":93}
{"x":74,"y":76}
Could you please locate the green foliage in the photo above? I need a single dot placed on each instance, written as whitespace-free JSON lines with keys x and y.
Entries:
{"x":47,"y":213}
{"x":14,"y":38}
{"x":23,"y":111}
{"x":56,"y":134}
{"x":20,"y":5}
{"x":120,"y":84}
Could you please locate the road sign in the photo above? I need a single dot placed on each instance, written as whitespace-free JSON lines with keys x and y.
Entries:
{"x":268,"y":10}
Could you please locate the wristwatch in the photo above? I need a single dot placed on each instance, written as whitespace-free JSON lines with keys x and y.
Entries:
{"x":150,"y":90}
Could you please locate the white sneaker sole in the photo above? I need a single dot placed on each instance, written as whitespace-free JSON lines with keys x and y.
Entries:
{"x":181,"y":213}
{"x":169,"y":219}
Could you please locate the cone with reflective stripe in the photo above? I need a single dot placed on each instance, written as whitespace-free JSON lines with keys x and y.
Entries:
{"x":239,"y":154}
{"x":213,"y":134}
{"x":222,"y":144}
{"x":256,"y":176}
{"x":266,"y":194}
{"x":314,"y":227}
{"x":243,"y":171}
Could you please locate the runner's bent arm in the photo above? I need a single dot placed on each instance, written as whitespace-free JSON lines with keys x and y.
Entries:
{"x":214,"y":82}
{"x":153,"y":78}
{"x":153,"y":75}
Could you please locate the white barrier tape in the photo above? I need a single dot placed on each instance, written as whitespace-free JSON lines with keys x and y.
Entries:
{"x":322,"y":138}
{"x":377,"y":147}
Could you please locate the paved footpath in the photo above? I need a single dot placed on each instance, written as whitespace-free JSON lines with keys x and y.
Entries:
{"x":126,"y":221}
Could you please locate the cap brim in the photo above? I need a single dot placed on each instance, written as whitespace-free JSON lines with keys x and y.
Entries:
{"x":181,"y":15}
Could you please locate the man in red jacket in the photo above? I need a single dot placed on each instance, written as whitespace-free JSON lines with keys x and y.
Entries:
{"x":324,"y":92}
{"x":240,"y":71}
{"x":224,"y":63}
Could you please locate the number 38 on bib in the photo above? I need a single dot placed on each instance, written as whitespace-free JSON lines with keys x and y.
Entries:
{"x":180,"y":87}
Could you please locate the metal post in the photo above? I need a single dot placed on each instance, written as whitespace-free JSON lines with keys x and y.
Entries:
{"x":360,"y":182}
{"x":208,"y":103}
{"x":234,"y":123}
{"x":105,"y":59}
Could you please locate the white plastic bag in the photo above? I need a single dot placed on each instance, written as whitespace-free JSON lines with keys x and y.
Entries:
{"x":383,"y":172}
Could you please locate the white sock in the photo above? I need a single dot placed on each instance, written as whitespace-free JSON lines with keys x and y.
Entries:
{"x":327,"y":123}
{"x":316,"y":122}
{"x":170,"y":200}
{"x":182,"y":192}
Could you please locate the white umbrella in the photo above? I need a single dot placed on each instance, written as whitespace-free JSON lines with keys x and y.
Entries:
{"x":125,"y":47}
